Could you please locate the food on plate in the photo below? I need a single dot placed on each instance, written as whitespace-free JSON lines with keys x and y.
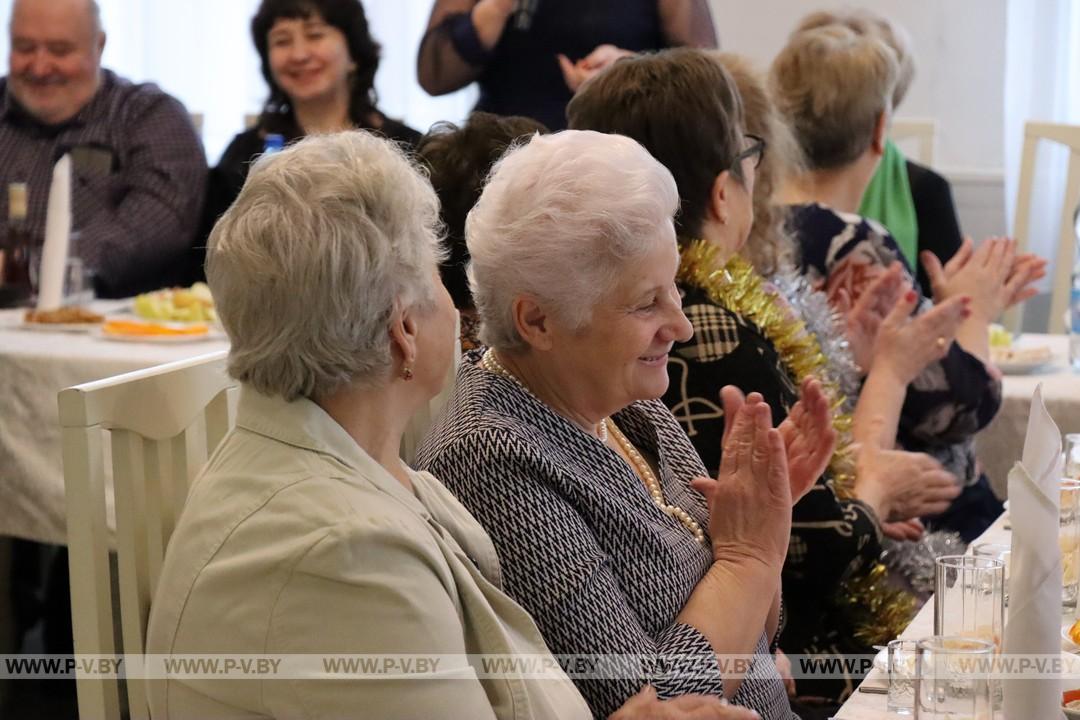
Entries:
{"x":999,"y":336}
{"x":132,"y":328}
{"x":1074,"y":634}
{"x":1032,"y":355}
{"x":70,"y":315}
{"x":193,"y":304}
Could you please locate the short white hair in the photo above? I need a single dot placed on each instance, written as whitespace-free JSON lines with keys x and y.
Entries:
{"x":326,"y":238}
{"x":559,"y":219}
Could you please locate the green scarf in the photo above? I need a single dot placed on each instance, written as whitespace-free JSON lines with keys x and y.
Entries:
{"x":888,"y":200}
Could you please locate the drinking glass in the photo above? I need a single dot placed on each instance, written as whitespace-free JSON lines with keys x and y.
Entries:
{"x":969,"y":597}
{"x":1072,"y":456}
{"x":901,"y":666}
{"x":953,"y":679}
{"x":1069,"y":541}
{"x":997,"y":551}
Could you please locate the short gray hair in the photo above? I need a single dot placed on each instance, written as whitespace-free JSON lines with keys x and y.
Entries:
{"x":326,"y":238}
{"x":559,"y":219}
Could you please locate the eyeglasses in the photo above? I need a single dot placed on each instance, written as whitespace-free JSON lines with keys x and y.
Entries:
{"x":756,"y":151}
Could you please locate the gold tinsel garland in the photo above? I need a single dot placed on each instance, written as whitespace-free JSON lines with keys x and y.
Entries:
{"x":878,"y":612}
{"x":739,"y":288}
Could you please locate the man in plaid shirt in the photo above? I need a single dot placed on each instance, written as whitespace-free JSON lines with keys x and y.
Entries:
{"x":138,"y":166}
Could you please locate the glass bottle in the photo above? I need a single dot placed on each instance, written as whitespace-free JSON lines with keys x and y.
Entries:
{"x":15,"y":287}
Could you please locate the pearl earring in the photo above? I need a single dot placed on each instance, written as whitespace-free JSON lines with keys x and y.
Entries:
{"x":406,"y":373}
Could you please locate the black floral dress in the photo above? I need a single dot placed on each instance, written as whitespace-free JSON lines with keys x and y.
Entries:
{"x":948,"y":402}
{"x":834,"y":541}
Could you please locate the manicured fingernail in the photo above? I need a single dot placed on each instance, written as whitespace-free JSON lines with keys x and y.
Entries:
{"x":910,"y":296}
{"x":966,"y":313}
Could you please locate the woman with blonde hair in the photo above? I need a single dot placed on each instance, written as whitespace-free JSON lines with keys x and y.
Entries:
{"x":835,"y":88}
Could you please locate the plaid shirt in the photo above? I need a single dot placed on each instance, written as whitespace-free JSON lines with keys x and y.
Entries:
{"x":139,"y":174}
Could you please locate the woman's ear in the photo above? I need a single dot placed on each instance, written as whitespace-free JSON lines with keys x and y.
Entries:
{"x":532,"y":322}
{"x":877,"y":143}
{"x":720,"y":198}
{"x":403,"y":332}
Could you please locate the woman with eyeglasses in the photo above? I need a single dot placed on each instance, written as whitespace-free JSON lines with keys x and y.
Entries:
{"x":747,"y":335}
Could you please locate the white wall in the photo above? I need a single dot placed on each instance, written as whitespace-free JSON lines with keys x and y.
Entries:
{"x":959,"y":47}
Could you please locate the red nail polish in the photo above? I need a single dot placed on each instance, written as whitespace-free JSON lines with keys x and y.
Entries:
{"x":910,"y":296}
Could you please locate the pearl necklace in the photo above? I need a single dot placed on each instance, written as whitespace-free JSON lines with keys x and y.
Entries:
{"x":491,"y":363}
{"x":653,"y":485}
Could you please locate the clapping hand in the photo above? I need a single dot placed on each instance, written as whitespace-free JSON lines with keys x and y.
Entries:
{"x":912,"y":529}
{"x":863,"y":318}
{"x":647,"y":706}
{"x":903,"y":485}
{"x":993,"y":275}
{"x":749,"y":501}
{"x":809,"y":438}
{"x":575,"y":74}
{"x":906,"y":344}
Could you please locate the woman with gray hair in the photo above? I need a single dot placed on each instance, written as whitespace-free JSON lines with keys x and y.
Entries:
{"x":607,"y":528}
{"x":306,"y":534}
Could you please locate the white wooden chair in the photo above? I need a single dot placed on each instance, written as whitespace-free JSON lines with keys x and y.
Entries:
{"x":1060,"y":266}
{"x":153,"y":418}
{"x":922,"y":131}
{"x":251,"y":120}
{"x":197,"y":120}
{"x":162,"y":424}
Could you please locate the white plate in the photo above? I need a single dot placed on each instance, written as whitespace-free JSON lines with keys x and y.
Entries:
{"x":162,"y":339}
{"x":59,"y":327}
{"x":1021,"y":368}
{"x":1021,"y":360}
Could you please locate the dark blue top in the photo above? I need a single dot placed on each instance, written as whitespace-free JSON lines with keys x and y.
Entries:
{"x":521,"y":75}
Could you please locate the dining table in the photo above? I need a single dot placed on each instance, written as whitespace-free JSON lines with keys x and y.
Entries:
{"x":869,"y":701}
{"x":36,"y":363}
{"x":998,"y":445}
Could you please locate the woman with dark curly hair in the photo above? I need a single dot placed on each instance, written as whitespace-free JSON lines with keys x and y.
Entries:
{"x":458,"y":160}
{"x":319,"y":61}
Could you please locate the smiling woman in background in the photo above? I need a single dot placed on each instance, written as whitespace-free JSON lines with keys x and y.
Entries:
{"x":319,"y":61}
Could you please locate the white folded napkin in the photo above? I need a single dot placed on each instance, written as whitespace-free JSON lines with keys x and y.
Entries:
{"x":54,"y":252}
{"x":1034,"y":621}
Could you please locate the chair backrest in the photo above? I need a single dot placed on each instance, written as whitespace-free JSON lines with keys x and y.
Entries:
{"x":1061,"y":266}
{"x":162,"y":424}
{"x":197,"y":121}
{"x":922,"y":130}
{"x":251,"y":120}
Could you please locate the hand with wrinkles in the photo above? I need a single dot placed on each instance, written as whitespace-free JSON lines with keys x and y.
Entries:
{"x":646,"y":706}
{"x":809,"y":438}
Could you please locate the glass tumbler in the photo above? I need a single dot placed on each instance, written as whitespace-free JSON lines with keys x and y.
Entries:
{"x":953,"y":679}
{"x":969,"y":597}
{"x":901,"y":666}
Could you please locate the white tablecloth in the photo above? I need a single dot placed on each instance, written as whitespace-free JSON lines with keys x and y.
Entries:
{"x":1000,"y":444}
{"x":34,"y":367}
{"x":872,"y":706}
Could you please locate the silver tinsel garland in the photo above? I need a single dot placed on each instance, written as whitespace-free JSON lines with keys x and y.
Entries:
{"x":812,"y":306}
{"x":912,"y":560}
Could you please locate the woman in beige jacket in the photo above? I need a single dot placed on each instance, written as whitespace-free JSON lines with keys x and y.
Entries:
{"x":306,"y":535}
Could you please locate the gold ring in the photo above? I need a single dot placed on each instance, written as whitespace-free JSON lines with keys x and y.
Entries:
{"x":941,"y":343}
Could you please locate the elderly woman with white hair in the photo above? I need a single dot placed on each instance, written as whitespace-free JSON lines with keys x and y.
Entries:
{"x":306,"y":534}
{"x":607,"y":528}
